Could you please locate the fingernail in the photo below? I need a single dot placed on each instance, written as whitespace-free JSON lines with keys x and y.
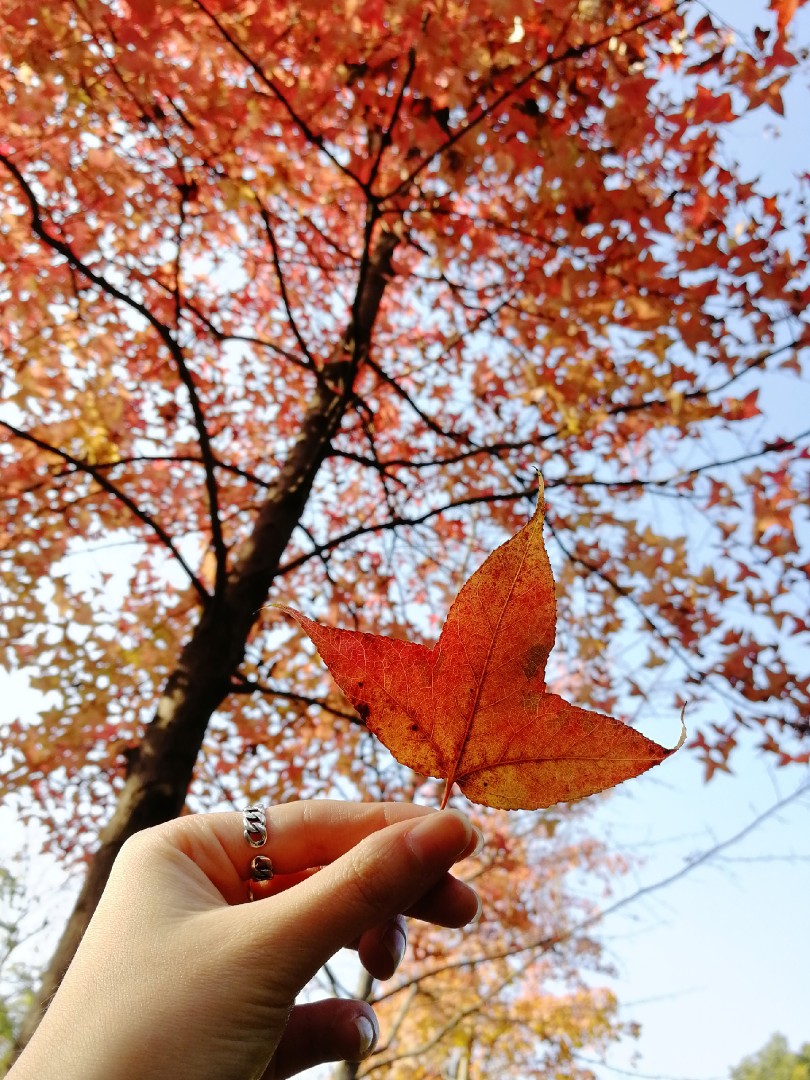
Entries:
{"x":438,"y":836}
{"x":368,"y":1034}
{"x":479,"y":842}
{"x":395,"y":942}
{"x":477,"y":916}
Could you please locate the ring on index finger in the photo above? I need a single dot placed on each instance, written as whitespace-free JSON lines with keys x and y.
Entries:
{"x":254,"y":826}
{"x":254,"y":829}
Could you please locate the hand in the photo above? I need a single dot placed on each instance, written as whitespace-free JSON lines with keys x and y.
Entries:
{"x":177,"y":978}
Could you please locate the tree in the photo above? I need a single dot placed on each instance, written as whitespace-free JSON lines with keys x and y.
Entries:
{"x":16,"y":980}
{"x":775,"y":1061}
{"x":516,"y":998}
{"x":295,"y":300}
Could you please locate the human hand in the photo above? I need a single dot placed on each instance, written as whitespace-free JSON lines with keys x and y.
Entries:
{"x":177,"y":978}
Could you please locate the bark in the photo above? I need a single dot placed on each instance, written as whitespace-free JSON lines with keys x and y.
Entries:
{"x":162,"y":766}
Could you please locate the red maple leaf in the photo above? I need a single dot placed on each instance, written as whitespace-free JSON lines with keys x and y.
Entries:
{"x":474,"y":709}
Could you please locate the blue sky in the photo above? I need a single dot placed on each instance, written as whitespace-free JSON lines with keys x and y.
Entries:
{"x":716,"y":962}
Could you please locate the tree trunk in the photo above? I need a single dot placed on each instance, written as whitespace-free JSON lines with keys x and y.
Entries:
{"x":163,"y":763}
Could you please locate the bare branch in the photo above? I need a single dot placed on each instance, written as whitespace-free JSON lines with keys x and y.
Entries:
{"x":182,"y":190}
{"x":700,"y":393}
{"x":367,"y":422}
{"x":486,"y":315}
{"x":493,"y":449}
{"x":135,"y":459}
{"x":544,"y":944}
{"x":248,"y":339}
{"x":402,"y":522}
{"x":429,"y":423}
{"x":777,"y":446}
{"x":449,"y":1024}
{"x":250,"y":686}
{"x":282,"y":285}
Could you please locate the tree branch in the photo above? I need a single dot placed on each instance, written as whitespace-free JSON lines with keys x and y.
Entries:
{"x":175,"y":350}
{"x":449,"y":1024}
{"x":574,"y":52}
{"x":544,"y":944}
{"x":124,"y":499}
{"x":485,"y":316}
{"x":135,"y":459}
{"x":248,"y":339}
{"x":252,"y":686}
{"x":311,"y":136}
{"x":285,"y":299}
{"x":402,"y":522}
{"x":777,"y":446}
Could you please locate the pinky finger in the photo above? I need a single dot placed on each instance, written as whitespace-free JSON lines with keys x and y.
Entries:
{"x":332,"y":1030}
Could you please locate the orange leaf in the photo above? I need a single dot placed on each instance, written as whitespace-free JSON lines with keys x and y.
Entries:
{"x":474,"y":709}
{"x":785,"y":10}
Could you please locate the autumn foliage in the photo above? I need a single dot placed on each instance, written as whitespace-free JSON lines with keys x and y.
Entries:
{"x":295,"y":299}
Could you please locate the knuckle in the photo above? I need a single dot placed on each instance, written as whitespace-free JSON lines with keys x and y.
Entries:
{"x":135,"y":847}
{"x":370,"y":884}
{"x":141,"y":846}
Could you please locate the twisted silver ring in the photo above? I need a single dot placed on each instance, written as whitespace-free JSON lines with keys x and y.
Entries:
{"x":254,"y":830}
{"x":254,"y":826}
{"x":261,"y":869}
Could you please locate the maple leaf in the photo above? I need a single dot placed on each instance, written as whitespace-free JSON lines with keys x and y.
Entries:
{"x":474,"y":709}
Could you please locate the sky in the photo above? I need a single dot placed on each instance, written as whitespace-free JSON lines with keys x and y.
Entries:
{"x":712,"y":964}
{"x":716,"y":961}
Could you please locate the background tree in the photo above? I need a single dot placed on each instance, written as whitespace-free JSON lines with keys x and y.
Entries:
{"x":518,"y":997}
{"x":295,"y":300}
{"x":775,"y":1061}
{"x":17,"y":981}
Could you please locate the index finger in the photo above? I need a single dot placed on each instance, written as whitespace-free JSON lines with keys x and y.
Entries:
{"x":300,"y":835}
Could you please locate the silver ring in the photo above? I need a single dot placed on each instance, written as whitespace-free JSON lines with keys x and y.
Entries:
{"x":254,"y":826}
{"x":261,"y":869}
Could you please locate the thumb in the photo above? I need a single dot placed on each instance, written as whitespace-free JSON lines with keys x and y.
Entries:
{"x":382,"y":876}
